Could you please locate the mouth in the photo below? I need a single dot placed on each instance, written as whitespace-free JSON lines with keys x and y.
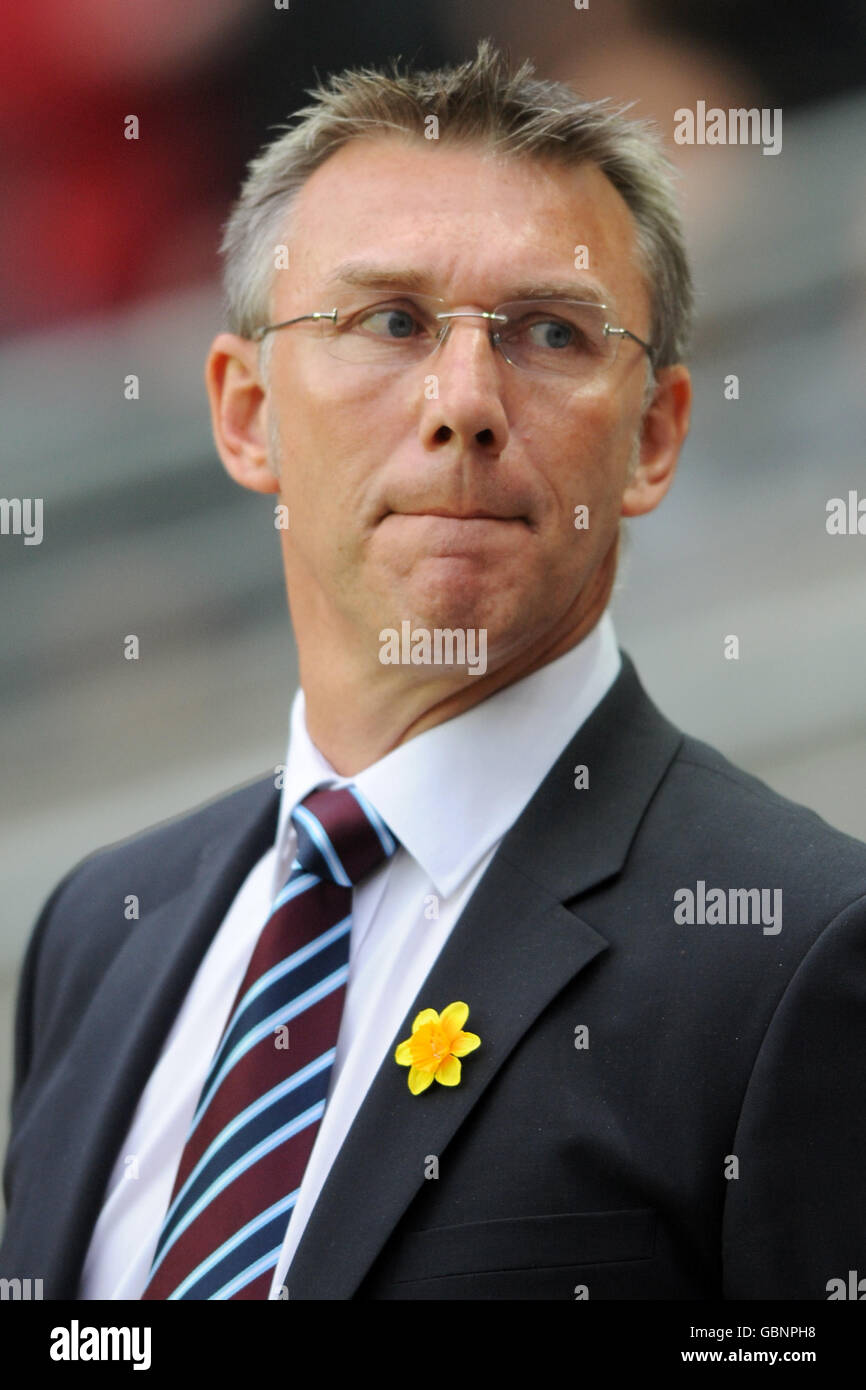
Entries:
{"x":460,"y":516}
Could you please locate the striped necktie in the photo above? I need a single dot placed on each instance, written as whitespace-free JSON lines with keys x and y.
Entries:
{"x":266,"y":1088}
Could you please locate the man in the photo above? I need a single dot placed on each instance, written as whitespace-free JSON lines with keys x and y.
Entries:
{"x":511,"y":989}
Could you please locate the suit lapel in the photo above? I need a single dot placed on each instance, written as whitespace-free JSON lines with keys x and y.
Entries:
{"x":86,"y":1109}
{"x":514,"y":948}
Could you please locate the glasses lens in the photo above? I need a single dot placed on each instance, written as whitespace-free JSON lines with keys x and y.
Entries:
{"x":559,"y":336}
{"x":388,"y":332}
{"x":546,"y":336}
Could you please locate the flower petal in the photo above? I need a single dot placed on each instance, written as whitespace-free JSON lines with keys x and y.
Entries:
{"x":419,"y":1080}
{"x":403,"y":1054}
{"x":453,"y":1018}
{"x":425,"y":1016}
{"x":463,"y":1043}
{"x":448,"y":1072}
{"x":421,"y":1044}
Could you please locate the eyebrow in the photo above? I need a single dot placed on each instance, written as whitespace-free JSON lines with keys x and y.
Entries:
{"x":369,"y":276}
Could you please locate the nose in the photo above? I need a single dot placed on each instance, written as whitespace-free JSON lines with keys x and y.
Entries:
{"x":463,"y":402}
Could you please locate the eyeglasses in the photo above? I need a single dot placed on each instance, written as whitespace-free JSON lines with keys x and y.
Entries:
{"x":568,"y":338}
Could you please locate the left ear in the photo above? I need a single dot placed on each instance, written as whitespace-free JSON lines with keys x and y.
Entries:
{"x":663,"y":431}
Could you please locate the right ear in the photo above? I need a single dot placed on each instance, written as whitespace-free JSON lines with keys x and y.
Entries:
{"x":238,"y":409}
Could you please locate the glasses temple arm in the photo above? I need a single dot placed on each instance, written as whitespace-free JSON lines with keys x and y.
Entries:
{"x":259,"y":333}
{"x":627,"y":333}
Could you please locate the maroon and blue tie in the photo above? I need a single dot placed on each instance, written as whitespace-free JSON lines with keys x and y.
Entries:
{"x":266,"y":1089}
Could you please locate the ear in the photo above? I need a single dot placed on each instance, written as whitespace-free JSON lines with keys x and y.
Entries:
{"x":663,"y":431}
{"x":238,"y":409}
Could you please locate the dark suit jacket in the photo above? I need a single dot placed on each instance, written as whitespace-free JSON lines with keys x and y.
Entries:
{"x":709,"y":1142}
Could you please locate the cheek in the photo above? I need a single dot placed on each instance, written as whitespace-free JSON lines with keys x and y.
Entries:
{"x":334,"y":445}
{"x":335,"y":409}
{"x":588,"y":453}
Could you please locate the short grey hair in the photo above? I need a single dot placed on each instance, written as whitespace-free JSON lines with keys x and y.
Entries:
{"x":480,"y":101}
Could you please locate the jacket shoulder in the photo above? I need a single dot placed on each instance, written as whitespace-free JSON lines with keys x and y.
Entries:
{"x":741,"y":824}
{"x":154,"y":865}
{"x":83,"y":925}
{"x":170,"y":846}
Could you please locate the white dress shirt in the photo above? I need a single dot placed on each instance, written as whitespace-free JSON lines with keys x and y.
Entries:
{"x":448,"y":795}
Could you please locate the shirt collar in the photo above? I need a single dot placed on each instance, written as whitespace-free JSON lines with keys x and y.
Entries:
{"x":450,"y":793}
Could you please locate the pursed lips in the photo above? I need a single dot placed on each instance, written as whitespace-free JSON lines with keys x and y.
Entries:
{"x":460,"y":516}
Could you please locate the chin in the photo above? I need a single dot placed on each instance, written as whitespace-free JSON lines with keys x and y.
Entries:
{"x":452,"y":610}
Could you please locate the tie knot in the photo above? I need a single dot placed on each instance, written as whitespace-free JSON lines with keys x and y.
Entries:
{"x":341,"y":837}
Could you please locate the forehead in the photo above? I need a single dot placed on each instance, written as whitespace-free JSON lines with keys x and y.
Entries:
{"x":469,"y":220}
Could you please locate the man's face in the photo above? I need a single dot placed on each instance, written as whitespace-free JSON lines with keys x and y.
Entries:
{"x":369,"y":459}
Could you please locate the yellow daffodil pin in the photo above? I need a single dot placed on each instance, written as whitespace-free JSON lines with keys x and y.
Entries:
{"x":434,"y":1050}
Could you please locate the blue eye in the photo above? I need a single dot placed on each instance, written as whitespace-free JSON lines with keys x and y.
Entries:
{"x":553,"y":333}
{"x":388,"y":322}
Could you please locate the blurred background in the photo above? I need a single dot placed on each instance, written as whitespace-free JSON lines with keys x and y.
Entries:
{"x":109,"y":267}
